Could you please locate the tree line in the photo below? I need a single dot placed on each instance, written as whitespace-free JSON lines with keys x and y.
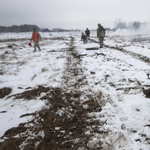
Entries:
{"x":22,"y":28}
{"x":136,"y":25}
{"x":29,"y":28}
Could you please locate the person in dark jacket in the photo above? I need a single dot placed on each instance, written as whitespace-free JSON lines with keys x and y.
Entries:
{"x":84,"y":38}
{"x":87,"y":32}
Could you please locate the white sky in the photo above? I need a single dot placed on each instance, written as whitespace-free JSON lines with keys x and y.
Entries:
{"x":72,"y":14}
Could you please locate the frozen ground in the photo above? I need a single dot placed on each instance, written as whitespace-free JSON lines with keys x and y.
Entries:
{"x":75,"y":98}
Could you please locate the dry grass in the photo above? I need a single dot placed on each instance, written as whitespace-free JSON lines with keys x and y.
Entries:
{"x":140,"y":39}
{"x":33,"y":77}
{"x":44,"y":70}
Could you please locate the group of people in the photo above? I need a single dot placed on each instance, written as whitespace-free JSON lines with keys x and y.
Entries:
{"x":85,"y":36}
{"x":36,"y":37}
{"x":100,"y":35}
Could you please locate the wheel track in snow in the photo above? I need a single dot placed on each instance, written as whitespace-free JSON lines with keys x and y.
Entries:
{"x":74,"y":81}
{"x":122,"y":138}
{"x":74,"y":74}
{"x":134,"y":55}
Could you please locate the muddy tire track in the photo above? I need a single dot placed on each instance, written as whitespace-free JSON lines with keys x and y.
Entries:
{"x":134,"y":55}
{"x":75,"y":81}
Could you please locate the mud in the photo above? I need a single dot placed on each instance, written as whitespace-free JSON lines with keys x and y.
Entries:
{"x":31,"y":94}
{"x":5,"y":91}
{"x":146,"y":92}
{"x":63,"y":125}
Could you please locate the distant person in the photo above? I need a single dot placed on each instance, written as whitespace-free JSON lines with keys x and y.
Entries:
{"x":36,"y":37}
{"x":87,"y":32}
{"x":84,"y":38}
{"x":100,"y":34}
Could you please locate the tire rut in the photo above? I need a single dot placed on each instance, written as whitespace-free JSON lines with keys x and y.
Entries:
{"x":134,"y":55}
{"x":75,"y":82}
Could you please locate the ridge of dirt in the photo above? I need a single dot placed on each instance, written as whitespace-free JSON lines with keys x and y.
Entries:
{"x":31,"y":94}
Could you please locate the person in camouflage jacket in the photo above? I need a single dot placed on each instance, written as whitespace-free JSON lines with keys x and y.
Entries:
{"x":84,"y":38}
{"x":100,"y":34}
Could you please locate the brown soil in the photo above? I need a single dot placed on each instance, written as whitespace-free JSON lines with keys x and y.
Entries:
{"x":31,"y":94}
{"x":63,"y":124}
{"x":146,"y":92}
{"x":5,"y":91}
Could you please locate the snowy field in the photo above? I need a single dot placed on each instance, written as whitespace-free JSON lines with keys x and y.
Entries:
{"x":124,"y":118}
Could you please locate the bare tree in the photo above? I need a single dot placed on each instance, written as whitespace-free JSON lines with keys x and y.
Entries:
{"x":119,"y":24}
{"x":135,"y":25}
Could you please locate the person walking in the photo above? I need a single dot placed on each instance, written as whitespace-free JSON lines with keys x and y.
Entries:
{"x":100,"y":34}
{"x":84,"y":38}
{"x":36,"y":37}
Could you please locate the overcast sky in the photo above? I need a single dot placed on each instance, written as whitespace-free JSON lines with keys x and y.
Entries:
{"x":72,"y":14}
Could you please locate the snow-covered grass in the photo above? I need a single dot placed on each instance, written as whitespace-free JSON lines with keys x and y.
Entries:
{"x":127,"y":111}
